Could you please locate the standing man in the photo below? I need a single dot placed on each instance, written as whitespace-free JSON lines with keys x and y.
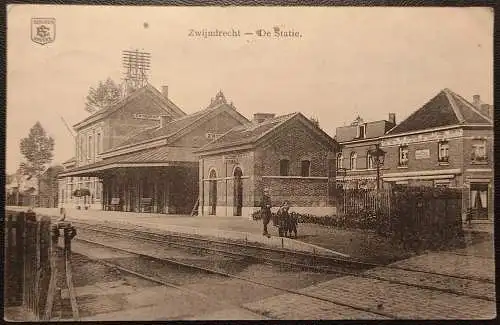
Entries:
{"x":265,"y":210}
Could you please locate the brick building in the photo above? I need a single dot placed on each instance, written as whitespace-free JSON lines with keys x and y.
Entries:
{"x":154,"y":168}
{"x":104,"y":130}
{"x":446,"y":142}
{"x":288,"y":154}
{"x":355,"y":166}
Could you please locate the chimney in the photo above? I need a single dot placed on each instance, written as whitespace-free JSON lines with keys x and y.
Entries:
{"x":476,"y":101}
{"x":261,"y":117}
{"x":164,"y":91}
{"x":164,"y":119}
{"x":392,"y":118}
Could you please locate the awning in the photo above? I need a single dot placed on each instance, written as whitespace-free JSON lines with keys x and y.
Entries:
{"x":154,"y":157}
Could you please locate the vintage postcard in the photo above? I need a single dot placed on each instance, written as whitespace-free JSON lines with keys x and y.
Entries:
{"x":256,"y":163}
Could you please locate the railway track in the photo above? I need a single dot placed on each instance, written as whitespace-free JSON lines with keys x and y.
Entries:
{"x":261,"y":253}
{"x":218,"y":272}
{"x":226,"y":249}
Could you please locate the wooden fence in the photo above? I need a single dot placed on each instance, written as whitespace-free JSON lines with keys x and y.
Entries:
{"x":356,"y":201}
{"x":30,"y":254}
{"x":27,"y":261}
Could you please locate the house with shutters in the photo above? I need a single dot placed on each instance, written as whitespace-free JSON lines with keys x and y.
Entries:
{"x":446,"y":142}
{"x":355,"y":164}
{"x":289,"y":154}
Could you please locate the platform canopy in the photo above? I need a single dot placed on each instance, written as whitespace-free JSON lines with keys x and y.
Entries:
{"x":154,"y":157}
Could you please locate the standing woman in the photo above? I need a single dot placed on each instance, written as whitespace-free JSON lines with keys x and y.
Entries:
{"x":283,"y":219}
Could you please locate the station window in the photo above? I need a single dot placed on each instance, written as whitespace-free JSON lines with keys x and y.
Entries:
{"x":284,"y":167}
{"x":305,"y":168}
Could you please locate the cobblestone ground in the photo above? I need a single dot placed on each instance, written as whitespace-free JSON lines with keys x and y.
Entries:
{"x":397,"y":300}
{"x":448,"y":263}
{"x":393,"y":300}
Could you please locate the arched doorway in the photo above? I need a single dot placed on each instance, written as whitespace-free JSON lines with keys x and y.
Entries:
{"x":238,"y":192}
{"x":212,"y":192}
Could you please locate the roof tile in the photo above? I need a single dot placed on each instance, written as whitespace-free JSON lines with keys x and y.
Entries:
{"x":446,"y":108}
{"x":247,"y":133}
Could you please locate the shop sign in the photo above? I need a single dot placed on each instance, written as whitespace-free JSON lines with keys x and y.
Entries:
{"x":422,"y":154}
{"x":142,"y":116}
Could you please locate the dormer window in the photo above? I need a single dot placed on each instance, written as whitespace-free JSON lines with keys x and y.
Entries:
{"x":361,"y":131}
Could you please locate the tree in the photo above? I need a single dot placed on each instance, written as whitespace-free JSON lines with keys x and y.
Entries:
{"x":37,"y":148}
{"x":314,"y":120}
{"x":105,"y":94}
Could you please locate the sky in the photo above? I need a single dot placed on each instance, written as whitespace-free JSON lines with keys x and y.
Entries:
{"x":348,"y":61}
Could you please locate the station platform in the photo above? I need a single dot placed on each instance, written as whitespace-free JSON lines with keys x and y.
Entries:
{"x":316,"y":239}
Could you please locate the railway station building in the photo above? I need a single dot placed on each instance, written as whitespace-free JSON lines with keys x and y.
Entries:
{"x":153,"y":168}
{"x":146,"y":155}
{"x":289,"y":154}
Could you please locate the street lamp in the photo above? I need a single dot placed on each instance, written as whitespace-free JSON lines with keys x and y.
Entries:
{"x":378,"y":156}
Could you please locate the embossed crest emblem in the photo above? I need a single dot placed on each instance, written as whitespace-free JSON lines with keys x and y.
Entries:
{"x":43,"y":30}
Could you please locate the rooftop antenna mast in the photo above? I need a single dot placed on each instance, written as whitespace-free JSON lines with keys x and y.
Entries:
{"x":67,"y":126}
{"x":136,"y":64}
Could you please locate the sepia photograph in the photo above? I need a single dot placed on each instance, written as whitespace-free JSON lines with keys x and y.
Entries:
{"x":248,"y":163}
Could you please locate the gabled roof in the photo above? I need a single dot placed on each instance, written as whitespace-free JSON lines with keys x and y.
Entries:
{"x":445,"y":109}
{"x":144,"y":90}
{"x":252,"y":132}
{"x":180,"y":125}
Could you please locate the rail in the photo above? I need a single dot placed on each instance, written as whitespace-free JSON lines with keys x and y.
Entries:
{"x":303,"y":265}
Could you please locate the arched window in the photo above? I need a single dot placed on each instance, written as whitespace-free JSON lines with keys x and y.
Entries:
{"x":340,"y":160}
{"x":212,"y":174}
{"x":369,"y":160}
{"x":353,"y":160}
{"x":284,"y":167}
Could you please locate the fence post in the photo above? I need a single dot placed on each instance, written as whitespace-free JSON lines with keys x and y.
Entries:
{"x":8,"y":274}
{"x":69,"y":233}
{"x":38,"y":269}
{"x":20,"y":254}
{"x":51,"y":292}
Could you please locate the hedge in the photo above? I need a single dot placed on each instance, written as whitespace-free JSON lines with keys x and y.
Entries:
{"x":363,"y":220}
